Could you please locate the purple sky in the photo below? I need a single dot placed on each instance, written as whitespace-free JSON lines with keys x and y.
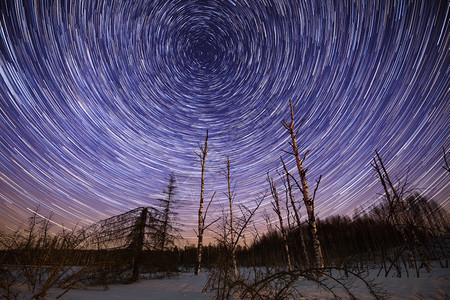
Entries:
{"x":101,"y":100}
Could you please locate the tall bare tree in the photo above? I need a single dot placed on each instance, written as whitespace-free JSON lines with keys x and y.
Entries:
{"x":296,"y":213}
{"x":201,"y":215}
{"x":277,"y":209}
{"x":230,"y":200}
{"x":308,"y":201}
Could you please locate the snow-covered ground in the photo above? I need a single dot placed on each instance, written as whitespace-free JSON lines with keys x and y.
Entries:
{"x":187,"y":286}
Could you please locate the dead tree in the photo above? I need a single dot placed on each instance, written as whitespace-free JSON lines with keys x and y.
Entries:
{"x":168,"y":232}
{"x":201,"y":215}
{"x":400,"y":216}
{"x":309,"y":203}
{"x":130,"y":232}
{"x":138,"y":236}
{"x":296,"y":213}
{"x":230,"y":200}
{"x":221,"y":279}
{"x":276,"y":208}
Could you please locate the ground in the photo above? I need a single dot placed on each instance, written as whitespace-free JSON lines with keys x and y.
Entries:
{"x":187,"y":286}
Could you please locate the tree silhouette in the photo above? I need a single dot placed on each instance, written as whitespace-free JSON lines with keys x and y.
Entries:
{"x":308,"y":201}
{"x":400,"y":216}
{"x":168,"y":233}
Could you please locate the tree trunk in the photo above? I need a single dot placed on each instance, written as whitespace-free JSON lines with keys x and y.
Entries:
{"x":297,"y":216}
{"x":309,"y":203}
{"x":138,"y":243}
{"x":204,"y":151}
{"x":230,"y":199}
{"x":276,"y":208}
{"x":167,"y":212}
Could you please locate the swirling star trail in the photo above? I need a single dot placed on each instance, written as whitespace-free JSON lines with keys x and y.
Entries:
{"x":101,"y":100}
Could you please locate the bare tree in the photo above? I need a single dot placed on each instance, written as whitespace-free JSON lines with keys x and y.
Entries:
{"x":400,"y":215}
{"x":201,"y":215}
{"x":38,"y":258}
{"x":277,"y":209}
{"x":308,"y":201}
{"x":230,"y":200}
{"x":296,"y":213}
{"x":222,"y":280}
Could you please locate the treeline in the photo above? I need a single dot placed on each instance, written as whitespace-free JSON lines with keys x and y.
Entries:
{"x":368,"y":239}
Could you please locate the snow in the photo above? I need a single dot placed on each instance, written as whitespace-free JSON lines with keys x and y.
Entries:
{"x":435,"y":285}
{"x":185,"y":286}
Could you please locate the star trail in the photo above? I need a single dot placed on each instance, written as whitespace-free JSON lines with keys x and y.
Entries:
{"x":101,"y":100}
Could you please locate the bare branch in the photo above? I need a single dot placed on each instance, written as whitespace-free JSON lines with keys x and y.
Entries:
{"x":207,"y":208}
{"x":290,"y":153}
{"x":208,"y":225}
{"x":446,"y":167}
{"x":315,"y":190}
{"x":304,"y":156}
{"x":247,"y":219}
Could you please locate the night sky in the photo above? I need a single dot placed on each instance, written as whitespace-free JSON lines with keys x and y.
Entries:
{"x":101,"y":100}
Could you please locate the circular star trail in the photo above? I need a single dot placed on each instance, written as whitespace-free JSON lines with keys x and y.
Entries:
{"x":101,"y":100}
